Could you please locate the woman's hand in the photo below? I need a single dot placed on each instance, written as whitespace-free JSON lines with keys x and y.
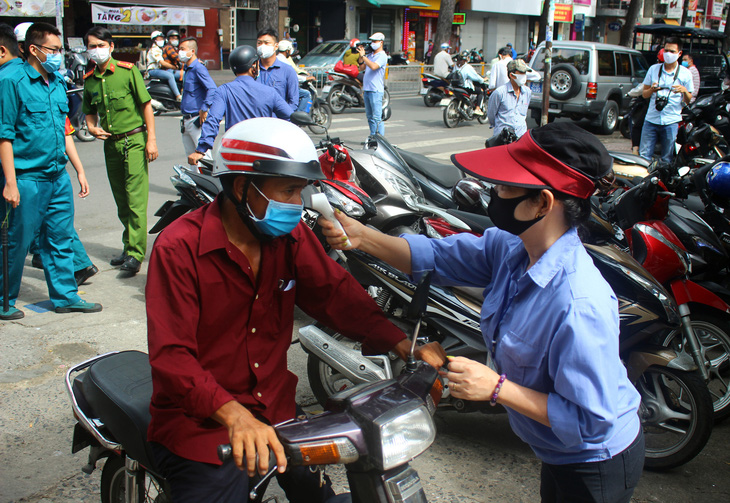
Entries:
{"x":470,"y":380}
{"x":336,"y":238}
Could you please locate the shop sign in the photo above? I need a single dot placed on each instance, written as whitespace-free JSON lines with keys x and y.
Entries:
{"x":134,"y":15}
{"x":692,"y":5}
{"x":459,"y":18}
{"x":614,"y":26}
{"x":674,"y":9}
{"x":563,"y":13}
{"x":715,"y":9}
{"x":28,"y":8}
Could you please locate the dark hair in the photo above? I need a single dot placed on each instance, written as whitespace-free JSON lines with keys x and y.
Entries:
{"x":268,"y":31}
{"x":689,"y":56}
{"x":8,"y":39}
{"x":673,"y":40}
{"x":37,"y":33}
{"x":193,"y":40}
{"x":576,"y":211}
{"x":505,"y":51}
{"x":99,"y":32}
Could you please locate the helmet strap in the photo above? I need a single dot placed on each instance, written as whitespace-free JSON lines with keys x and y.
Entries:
{"x":242,"y":209}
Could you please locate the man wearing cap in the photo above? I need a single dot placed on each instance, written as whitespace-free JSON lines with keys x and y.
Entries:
{"x":284,"y":52}
{"x":471,"y":77}
{"x":498,"y":74}
{"x":508,"y":104}
{"x":373,"y":82}
{"x":549,"y":318}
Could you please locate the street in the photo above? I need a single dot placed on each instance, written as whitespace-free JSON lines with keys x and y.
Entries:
{"x":475,"y":458}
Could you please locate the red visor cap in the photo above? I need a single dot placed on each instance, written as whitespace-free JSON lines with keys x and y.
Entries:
{"x":524,"y":164}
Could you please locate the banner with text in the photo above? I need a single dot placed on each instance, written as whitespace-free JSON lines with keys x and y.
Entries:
{"x":28,"y":8}
{"x":146,"y":15}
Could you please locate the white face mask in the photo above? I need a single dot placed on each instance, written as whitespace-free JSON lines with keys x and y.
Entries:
{"x":265,"y":51}
{"x":184,"y":55}
{"x":375,"y":45}
{"x":159,"y":43}
{"x":100,"y":55}
{"x":671,"y":57}
{"x":520,"y":79}
{"x":175,"y":43}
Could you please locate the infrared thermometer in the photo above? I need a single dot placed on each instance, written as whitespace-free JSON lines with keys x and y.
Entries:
{"x":321,"y":205}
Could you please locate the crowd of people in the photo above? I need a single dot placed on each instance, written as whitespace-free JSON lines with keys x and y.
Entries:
{"x":240,"y":264}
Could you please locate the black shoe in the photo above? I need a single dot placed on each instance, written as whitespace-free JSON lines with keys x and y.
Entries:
{"x":131,"y":264}
{"x":118,"y":260}
{"x":84,"y":274}
{"x":80,"y":307}
{"x":37,"y":261}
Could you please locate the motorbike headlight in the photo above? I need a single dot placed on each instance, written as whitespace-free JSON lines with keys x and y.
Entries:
{"x":340,"y":201}
{"x":407,"y":193}
{"x":405,"y":436}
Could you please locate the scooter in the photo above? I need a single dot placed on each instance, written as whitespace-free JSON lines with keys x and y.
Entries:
{"x":77,"y":59}
{"x":460,"y":103}
{"x":76,"y":115}
{"x":320,"y":111}
{"x":163,"y":100}
{"x":346,"y":92}
{"x":375,"y":430}
{"x":433,"y":89}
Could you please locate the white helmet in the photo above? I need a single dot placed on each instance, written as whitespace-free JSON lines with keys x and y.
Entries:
{"x":20,"y":31}
{"x":268,"y":147}
{"x":157,"y":33}
{"x":285,"y":45}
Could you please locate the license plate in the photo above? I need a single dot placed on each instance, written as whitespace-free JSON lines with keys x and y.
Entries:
{"x":445,"y":102}
{"x":536,"y":87}
{"x":423,"y":91}
{"x":326,"y":89}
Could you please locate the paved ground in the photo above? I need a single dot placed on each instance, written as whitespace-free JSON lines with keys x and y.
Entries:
{"x":476,"y":458}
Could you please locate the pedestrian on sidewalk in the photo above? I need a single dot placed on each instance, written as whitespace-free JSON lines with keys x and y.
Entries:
{"x":509,"y":103}
{"x":37,"y":192}
{"x":198,"y":92}
{"x":374,"y":81}
{"x":118,"y":111}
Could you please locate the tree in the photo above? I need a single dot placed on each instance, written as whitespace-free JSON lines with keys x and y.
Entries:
{"x":443,"y":27}
{"x":543,"y":22}
{"x":268,"y":15}
{"x":726,"y":42}
{"x":627,"y":32}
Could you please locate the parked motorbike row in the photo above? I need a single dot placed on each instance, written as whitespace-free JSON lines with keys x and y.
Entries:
{"x":667,"y":267}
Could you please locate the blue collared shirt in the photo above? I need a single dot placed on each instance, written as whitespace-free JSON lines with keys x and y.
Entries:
{"x":283,"y":78}
{"x":506,"y":109}
{"x":241,"y":99}
{"x":470,"y":76}
{"x":198,"y":89}
{"x":553,"y":328}
{"x":374,"y":80}
{"x":671,"y":113}
{"x":33,"y":118}
{"x":11,"y":64}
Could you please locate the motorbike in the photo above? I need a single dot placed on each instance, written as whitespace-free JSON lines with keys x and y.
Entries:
{"x":344,"y":92}
{"x":433,"y":89}
{"x":375,"y":430}
{"x":459,"y":104}
{"x":77,"y":59}
{"x":76,"y":115}
{"x":163,"y":99}
{"x":320,"y":111}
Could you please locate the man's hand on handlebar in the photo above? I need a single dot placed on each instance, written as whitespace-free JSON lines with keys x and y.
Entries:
{"x":194,"y":158}
{"x":250,"y":439}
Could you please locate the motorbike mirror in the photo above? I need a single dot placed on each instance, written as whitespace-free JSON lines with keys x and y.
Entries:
{"x":302,"y":119}
{"x":683,"y":171}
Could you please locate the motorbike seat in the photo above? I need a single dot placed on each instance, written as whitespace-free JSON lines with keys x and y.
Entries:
{"x":476,"y":222}
{"x":625,"y":158}
{"x":207,"y":182}
{"x":444,"y":174}
{"x":119,"y":389}
{"x":431,"y":76}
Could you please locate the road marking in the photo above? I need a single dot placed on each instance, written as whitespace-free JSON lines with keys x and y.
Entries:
{"x":364,"y":127}
{"x":346,"y":119}
{"x":439,"y":141}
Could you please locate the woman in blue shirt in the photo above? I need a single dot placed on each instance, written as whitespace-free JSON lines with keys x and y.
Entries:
{"x":549,"y":318}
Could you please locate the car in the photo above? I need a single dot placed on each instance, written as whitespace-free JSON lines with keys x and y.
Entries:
{"x":705,"y":46}
{"x":589,"y":80}
{"x":326,"y":54}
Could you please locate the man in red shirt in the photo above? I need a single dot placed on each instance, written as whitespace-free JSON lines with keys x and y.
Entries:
{"x":221,"y":289}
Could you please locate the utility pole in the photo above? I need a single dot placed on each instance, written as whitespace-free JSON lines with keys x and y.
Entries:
{"x":548,"y":62}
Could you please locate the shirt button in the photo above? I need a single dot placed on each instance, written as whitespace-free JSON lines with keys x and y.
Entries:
{"x":253,"y":330}
{"x":257,"y":297}
{"x":103,"y":80}
{"x":255,"y":365}
{"x":258,"y":395}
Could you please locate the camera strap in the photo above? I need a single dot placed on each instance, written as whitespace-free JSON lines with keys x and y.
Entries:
{"x":676,"y":74}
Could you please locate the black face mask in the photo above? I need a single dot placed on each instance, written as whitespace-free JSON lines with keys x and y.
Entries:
{"x":502,"y":213}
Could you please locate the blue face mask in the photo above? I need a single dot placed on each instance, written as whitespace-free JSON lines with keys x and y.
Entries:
{"x":685,"y":64}
{"x":52,"y":62}
{"x":280,"y":218}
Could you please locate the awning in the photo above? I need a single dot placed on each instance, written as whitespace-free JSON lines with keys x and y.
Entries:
{"x":146,"y":15}
{"x":673,"y":22}
{"x":397,"y":3}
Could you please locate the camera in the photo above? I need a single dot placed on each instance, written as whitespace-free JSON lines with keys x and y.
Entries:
{"x":661,"y":102}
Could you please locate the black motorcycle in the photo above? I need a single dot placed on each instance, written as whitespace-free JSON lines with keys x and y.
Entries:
{"x":76,"y":115}
{"x":346,"y":92}
{"x":320,"y":111}
{"x":433,"y":90}
{"x":163,"y":99}
{"x":77,"y":60}
{"x":460,"y":102}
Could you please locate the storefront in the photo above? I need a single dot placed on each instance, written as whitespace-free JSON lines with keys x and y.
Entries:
{"x":419,"y":27}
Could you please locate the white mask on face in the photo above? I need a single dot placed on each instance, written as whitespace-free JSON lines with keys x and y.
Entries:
{"x":375,"y":45}
{"x":175,"y":43}
{"x":100,"y":55}
{"x":184,"y":55}
{"x":159,"y":43}
{"x":265,"y":51}
{"x":520,"y":79}
{"x":671,"y":57}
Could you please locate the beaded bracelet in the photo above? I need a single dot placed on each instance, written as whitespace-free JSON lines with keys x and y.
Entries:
{"x":497,"y":388}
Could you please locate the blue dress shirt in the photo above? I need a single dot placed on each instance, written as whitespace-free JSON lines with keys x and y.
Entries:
{"x":506,"y":109}
{"x":33,"y":118}
{"x":198,"y":89}
{"x":374,"y":80}
{"x":671,"y":113}
{"x":283,"y":78}
{"x":242,"y":99}
{"x":553,"y":328}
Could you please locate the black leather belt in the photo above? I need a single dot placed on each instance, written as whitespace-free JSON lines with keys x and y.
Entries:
{"x":189,"y":116}
{"x":128,"y":133}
